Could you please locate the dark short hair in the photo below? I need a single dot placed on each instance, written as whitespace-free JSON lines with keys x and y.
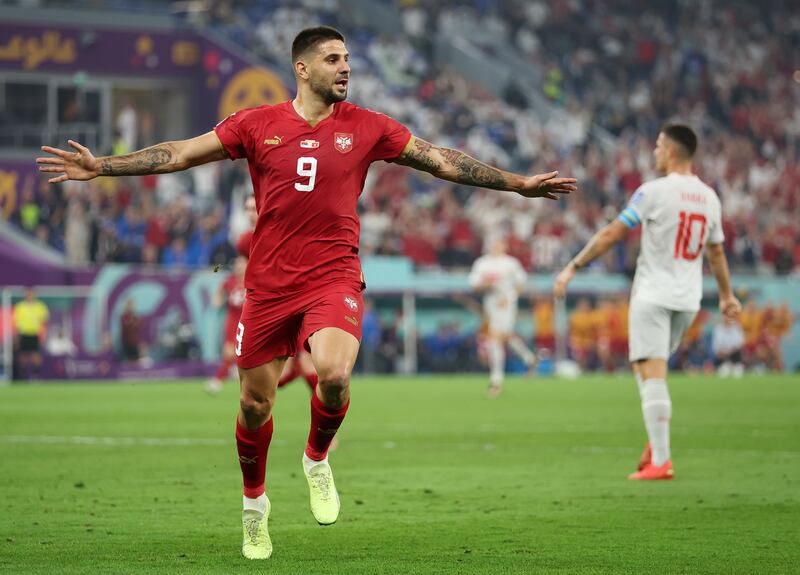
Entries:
{"x":683,"y":135}
{"x":310,"y":37}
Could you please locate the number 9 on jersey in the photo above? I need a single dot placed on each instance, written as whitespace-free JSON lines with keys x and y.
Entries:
{"x":306,"y":167}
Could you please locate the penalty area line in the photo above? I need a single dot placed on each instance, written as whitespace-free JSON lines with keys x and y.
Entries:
{"x":114,"y":441}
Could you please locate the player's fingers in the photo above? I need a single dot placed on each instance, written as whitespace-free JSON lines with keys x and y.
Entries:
{"x":56,"y":152}
{"x":545,"y":177}
{"x":51,"y":168}
{"x":559,"y":181}
{"x":59,"y":179}
{"x":57,"y":161}
{"x":79,"y":147}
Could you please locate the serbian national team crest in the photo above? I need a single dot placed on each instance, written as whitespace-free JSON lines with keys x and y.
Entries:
{"x":351,"y":303}
{"x":343,"y":142}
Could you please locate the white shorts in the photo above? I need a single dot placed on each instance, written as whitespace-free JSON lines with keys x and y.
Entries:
{"x":501,"y":319}
{"x":655,"y":332}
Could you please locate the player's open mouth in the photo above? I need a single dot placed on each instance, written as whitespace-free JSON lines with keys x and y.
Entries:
{"x":342,"y":83}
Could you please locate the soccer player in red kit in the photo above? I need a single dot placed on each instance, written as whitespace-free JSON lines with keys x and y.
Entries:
{"x":308,"y":159}
{"x":231,"y":294}
{"x":299,"y":365}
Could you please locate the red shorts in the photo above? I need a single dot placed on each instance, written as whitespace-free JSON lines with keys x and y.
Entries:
{"x":619,"y":346}
{"x":274,"y":326}
{"x":545,"y":342}
{"x":231,"y":325}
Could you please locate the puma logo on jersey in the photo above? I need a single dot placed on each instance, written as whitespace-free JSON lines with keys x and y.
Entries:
{"x":309,"y":144}
{"x":352,"y":320}
{"x":274,"y":140}
{"x":343,"y":142}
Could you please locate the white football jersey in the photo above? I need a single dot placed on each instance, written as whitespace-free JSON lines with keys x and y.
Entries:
{"x":506,"y":276}
{"x":679,"y":215}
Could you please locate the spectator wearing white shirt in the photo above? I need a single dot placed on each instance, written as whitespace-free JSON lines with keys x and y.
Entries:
{"x":727,"y":341}
{"x":61,"y":345}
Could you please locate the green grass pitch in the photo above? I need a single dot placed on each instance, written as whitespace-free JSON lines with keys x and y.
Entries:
{"x":434,"y":478}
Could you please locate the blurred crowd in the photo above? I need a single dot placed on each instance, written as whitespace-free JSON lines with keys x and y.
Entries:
{"x":724,"y":67}
{"x":149,"y":220}
{"x":598,"y":337}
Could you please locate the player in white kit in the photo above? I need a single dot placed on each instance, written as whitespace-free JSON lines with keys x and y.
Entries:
{"x":501,"y":278}
{"x":680,"y":218}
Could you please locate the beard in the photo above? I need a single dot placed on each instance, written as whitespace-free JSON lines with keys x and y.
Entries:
{"x":327,"y":92}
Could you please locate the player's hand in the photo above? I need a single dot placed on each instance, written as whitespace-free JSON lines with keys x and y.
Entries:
{"x":78,"y":165}
{"x":730,"y":306}
{"x":547,"y":186}
{"x":562,"y":279}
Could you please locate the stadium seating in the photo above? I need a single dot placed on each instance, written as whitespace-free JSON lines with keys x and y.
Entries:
{"x":736,"y":90}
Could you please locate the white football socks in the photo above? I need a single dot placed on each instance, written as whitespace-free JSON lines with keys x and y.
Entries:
{"x":308,"y":463}
{"x":255,"y":504}
{"x":497,"y":362}
{"x":657,"y":411}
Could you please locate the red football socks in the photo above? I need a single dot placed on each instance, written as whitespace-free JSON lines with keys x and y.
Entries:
{"x":252,"y":445}
{"x":324,"y":425}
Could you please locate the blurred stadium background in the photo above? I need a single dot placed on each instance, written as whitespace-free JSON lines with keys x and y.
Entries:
{"x":531,"y":86}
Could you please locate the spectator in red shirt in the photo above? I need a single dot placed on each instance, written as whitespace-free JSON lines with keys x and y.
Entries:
{"x":131,"y":329}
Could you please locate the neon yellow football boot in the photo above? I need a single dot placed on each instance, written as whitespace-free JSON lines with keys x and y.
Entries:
{"x":256,"y":543}
{"x":323,"y":496}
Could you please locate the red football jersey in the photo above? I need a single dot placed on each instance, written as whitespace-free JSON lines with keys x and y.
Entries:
{"x":235,"y":293}
{"x":243,"y":245}
{"x":306,"y":182}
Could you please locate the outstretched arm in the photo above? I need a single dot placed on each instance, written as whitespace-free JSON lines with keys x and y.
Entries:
{"x":159,"y":159}
{"x":600,"y":243}
{"x":456,"y":166}
{"x":728,"y":304}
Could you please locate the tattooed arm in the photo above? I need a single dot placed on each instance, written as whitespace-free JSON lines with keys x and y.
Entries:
{"x":158,"y":159}
{"x":456,"y":166}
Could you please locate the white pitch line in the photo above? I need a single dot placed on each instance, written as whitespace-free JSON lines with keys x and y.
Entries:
{"x":120,"y":441}
{"x":93,"y":440}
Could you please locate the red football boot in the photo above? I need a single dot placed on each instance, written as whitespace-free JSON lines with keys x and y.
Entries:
{"x":653,"y":472}
{"x":646,"y":457}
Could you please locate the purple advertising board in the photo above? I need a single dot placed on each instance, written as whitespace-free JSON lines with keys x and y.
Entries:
{"x":222,"y":79}
{"x":180,"y":333}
